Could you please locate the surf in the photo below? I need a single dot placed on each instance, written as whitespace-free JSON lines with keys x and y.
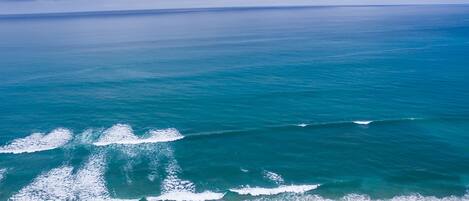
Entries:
{"x":257,"y":191}
{"x":362,"y":122}
{"x":124,"y":134}
{"x":38,"y":142}
{"x":185,"y":195}
{"x":175,"y":188}
{"x":363,"y":197}
{"x":63,"y":184}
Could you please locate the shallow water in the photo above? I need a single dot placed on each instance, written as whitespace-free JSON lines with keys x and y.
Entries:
{"x":237,"y":104}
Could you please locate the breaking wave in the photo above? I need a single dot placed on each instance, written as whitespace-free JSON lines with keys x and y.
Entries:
{"x":302,"y":125}
{"x":257,"y":191}
{"x":286,"y":126}
{"x":62,"y":184}
{"x":38,"y":142}
{"x":363,"y":122}
{"x":123,"y":134}
{"x":184,"y":195}
{"x":360,"y":122}
{"x":174,"y":188}
{"x":358,"y":197}
{"x":274,"y":177}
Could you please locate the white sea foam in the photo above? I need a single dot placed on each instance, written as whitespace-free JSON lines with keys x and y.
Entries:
{"x":128,"y":168}
{"x":53,"y":185}
{"x":172,"y":183}
{"x":174,"y":188}
{"x":86,"y":137}
{"x":302,"y":125}
{"x":184,"y":195}
{"x":358,"y":197}
{"x":123,"y":134}
{"x":272,"y":176}
{"x":89,"y":183}
{"x":244,"y":170}
{"x":418,"y":197}
{"x":256,"y":191}
{"x":3,"y":171}
{"x":38,"y":142}
{"x":363,"y":122}
{"x":153,"y":165}
{"x":62,"y":184}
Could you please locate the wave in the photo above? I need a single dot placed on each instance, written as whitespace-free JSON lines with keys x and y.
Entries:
{"x":358,"y":197}
{"x":286,"y":126}
{"x":172,"y":183}
{"x":362,"y":122}
{"x":175,"y":188}
{"x":302,"y":125}
{"x":63,"y":184}
{"x":123,"y":134}
{"x":185,"y":195}
{"x":3,"y":171}
{"x":257,"y":191}
{"x":366,"y":122}
{"x":89,"y":182}
{"x":38,"y":142}
{"x":274,"y":177}
{"x":53,"y":185}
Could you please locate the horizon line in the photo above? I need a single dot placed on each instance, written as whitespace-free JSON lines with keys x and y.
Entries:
{"x":201,"y":9}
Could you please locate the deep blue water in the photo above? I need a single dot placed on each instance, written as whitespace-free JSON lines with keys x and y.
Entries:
{"x":366,"y":102}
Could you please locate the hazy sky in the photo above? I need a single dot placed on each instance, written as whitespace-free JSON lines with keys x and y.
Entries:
{"x":48,"y":6}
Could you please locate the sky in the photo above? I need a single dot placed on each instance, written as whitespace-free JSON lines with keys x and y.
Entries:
{"x":52,"y":6}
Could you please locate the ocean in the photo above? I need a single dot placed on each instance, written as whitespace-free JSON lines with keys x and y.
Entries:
{"x":293,"y":103}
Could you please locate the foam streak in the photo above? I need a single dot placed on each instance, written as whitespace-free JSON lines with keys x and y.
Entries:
{"x":61,"y":184}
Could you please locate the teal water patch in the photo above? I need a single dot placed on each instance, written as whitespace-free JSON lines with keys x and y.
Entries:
{"x":318,"y":103}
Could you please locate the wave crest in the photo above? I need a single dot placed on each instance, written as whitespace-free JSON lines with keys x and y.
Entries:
{"x":256,"y":191}
{"x":38,"y":142}
{"x":302,"y":125}
{"x":124,"y":134}
{"x":362,"y":122}
{"x":186,"y":195}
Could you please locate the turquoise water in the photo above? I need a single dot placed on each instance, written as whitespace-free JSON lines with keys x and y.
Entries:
{"x":236,"y":104}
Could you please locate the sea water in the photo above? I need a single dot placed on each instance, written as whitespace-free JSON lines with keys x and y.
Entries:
{"x":306,"y":103}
